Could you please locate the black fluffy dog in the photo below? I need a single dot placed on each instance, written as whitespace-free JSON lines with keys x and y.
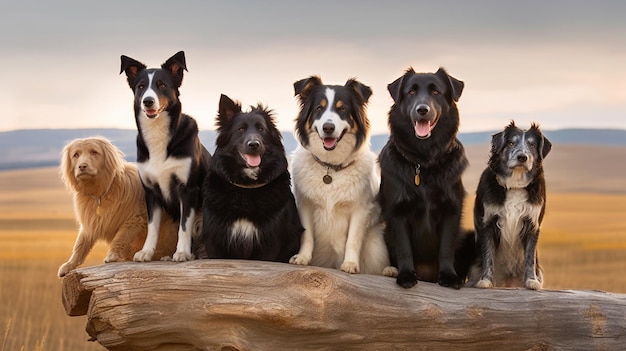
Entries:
{"x":509,"y":208}
{"x":421,"y":192}
{"x":249,"y":209}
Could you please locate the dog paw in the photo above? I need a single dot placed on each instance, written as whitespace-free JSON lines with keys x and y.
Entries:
{"x":300,"y":259}
{"x":450,"y":280}
{"x":113,"y":257}
{"x":407,"y":279}
{"x":166,"y":259}
{"x":182,"y":256}
{"x":143,"y":256}
{"x":390,"y":271}
{"x":484,"y":284}
{"x":64,"y":269}
{"x":533,"y":284}
{"x":350,"y":267}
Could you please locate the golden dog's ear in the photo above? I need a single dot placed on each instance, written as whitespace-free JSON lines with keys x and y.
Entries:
{"x":66,"y":169}
{"x":112,"y":156}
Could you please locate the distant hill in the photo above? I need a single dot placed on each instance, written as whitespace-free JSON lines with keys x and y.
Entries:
{"x":31,"y":148}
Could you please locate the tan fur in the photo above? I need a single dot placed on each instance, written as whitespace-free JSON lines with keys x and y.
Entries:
{"x":94,"y":170}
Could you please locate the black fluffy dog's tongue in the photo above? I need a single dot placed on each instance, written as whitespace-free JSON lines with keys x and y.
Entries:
{"x":422,"y":128}
{"x":252,"y":160}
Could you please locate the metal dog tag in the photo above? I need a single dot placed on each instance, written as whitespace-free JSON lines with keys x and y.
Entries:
{"x":327,"y":179}
{"x":417,"y":175}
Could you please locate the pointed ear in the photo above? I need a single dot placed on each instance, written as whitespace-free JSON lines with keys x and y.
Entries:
{"x":175,"y":65}
{"x":132,"y":67}
{"x":394,"y":89}
{"x":362,"y":90}
{"x":456,"y":86}
{"x":545,"y":149}
{"x":303,"y":87}
{"x":227,"y":109}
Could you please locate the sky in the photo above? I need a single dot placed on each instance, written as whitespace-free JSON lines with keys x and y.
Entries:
{"x":558,"y":63}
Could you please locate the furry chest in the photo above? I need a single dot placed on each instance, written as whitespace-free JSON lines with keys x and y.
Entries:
{"x":512,"y":213}
{"x":162,"y":172}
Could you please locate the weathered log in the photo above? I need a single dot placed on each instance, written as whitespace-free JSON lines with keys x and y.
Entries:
{"x":252,"y":305}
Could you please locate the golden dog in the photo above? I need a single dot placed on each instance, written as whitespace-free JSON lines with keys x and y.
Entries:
{"x":109,"y":203}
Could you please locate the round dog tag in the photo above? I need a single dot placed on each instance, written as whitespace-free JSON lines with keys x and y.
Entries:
{"x":327,"y":179}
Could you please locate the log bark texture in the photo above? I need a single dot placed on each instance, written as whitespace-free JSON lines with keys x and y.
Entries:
{"x":252,"y":305}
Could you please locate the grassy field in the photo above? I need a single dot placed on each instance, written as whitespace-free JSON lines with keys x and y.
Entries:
{"x":582,"y":246}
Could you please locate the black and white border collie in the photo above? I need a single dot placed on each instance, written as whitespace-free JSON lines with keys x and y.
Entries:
{"x":509,"y":208}
{"x":171,"y":160}
{"x":336,"y":179}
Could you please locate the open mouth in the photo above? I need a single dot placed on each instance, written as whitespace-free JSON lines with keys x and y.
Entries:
{"x":152,"y":113}
{"x":424,"y":128}
{"x":330,"y":143}
{"x":252,"y":160}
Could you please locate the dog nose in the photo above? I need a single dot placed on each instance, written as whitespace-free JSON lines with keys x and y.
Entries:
{"x":328,"y":128}
{"x":423,"y":109}
{"x":82,"y":166}
{"x":522,"y":158}
{"x":148,"y":102}
{"x":254,"y":144}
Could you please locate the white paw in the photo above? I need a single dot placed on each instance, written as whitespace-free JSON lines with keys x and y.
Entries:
{"x":166,"y":258}
{"x":484,"y":284}
{"x":65,"y":268}
{"x":390,"y":271}
{"x":350,"y":267}
{"x":300,"y":259}
{"x":113,"y":257}
{"x":533,"y":284}
{"x":143,"y":256}
{"x":182,"y":256}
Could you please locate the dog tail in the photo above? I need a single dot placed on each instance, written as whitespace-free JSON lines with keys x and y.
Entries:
{"x":465,"y":254}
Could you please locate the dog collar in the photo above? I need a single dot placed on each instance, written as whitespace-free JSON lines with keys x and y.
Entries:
{"x":251,"y":186}
{"x":327,"y":179}
{"x":99,"y":198}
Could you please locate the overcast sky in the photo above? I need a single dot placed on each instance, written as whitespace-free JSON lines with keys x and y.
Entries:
{"x":558,"y":63}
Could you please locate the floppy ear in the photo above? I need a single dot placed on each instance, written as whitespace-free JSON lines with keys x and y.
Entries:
{"x":497,"y":143}
{"x":113,"y":157}
{"x":303,"y":87}
{"x":362,"y":91}
{"x":132,"y":67}
{"x":456,"y":86}
{"x":175,"y":65}
{"x":66,"y":169}
{"x":394,"y":89}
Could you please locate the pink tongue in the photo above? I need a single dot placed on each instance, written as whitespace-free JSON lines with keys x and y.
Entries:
{"x":329,"y":142}
{"x":252,"y":160}
{"x":422,"y":128}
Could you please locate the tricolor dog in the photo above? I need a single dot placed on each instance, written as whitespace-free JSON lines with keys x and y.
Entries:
{"x":171,"y":160}
{"x":509,"y":208}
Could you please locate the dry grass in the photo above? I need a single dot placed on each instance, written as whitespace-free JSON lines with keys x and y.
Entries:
{"x":582,"y":246}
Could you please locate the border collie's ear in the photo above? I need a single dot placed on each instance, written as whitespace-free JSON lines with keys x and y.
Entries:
{"x":132,"y":68}
{"x":175,"y":65}
{"x":456,"y":86}
{"x":497,"y":143}
{"x":363,"y":91}
{"x":545,"y":149}
{"x":227,"y":109}
{"x":303,"y":87}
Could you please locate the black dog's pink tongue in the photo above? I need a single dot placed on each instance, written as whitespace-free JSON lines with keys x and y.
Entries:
{"x":329,"y":142}
{"x":422,"y":128}
{"x":252,"y":160}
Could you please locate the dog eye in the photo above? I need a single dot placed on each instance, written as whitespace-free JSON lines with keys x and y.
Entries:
{"x":161,"y":85}
{"x":318,"y":108}
{"x":260,"y":129}
{"x":436,"y":92}
{"x":412,"y":92}
{"x":75,"y":155}
{"x":94,"y":153}
{"x":140,"y":86}
{"x":511,"y":143}
{"x":241,"y":129}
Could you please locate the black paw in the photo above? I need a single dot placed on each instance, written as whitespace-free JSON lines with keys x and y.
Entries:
{"x":450,"y":280}
{"x":407,"y":279}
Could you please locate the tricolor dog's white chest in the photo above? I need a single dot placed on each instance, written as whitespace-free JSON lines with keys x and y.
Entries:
{"x":160,"y":168}
{"x":512,"y":214}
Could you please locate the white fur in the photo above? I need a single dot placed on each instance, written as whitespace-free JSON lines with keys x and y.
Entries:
{"x":243,"y":231}
{"x":330,"y":116}
{"x":341,"y":219}
{"x":509,"y":257}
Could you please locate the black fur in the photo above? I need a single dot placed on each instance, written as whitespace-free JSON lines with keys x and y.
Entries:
{"x":423,"y":221}
{"x":511,"y":149}
{"x":261,"y":193}
{"x":183,"y":137}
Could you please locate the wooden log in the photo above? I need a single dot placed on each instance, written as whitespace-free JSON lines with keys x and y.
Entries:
{"x":252,"y":305}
